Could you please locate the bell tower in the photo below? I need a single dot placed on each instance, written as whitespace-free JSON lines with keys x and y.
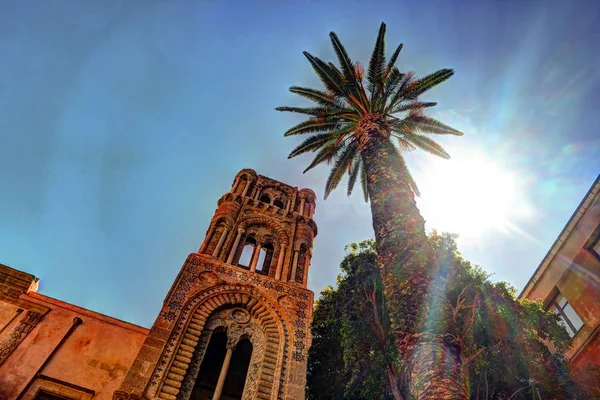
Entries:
{"x":235,"y":323}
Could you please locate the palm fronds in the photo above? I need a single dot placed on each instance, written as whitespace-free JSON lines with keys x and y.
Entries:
{"x":349,"y":95}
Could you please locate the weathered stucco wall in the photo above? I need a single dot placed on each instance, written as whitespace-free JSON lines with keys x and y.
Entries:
{"x":96,"y":356}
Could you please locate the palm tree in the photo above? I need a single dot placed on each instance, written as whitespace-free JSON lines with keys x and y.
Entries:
{"x":361,"y":126}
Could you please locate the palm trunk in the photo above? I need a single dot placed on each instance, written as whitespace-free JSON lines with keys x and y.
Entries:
{"x":383,"y":339}
{"x":395,"y":381}
{"x":408,"y":264}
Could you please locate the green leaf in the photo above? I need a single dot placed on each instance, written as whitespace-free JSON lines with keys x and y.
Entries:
{"x":312,"y":125}
{"x":417,"y":105}
{"x":377,"y":62}
{"x":421,"y":123}
{"x":404,"y":144}
{"x":317,"y":141}
{"x":356,"y":166}
{"x":318,"y":96}
{"x":363,"y":182}
{"x":344,"y":58}
{"x":394,"y":57}
{"x":326,"y":154}
{"x":393,"y":78}
{"x":426,"y":144}
{"x":330,"y":78}
{"x":428,"y":82}
{"x":400,"y":92}
{"x":343,"y":159}
{"x":314,"y":111}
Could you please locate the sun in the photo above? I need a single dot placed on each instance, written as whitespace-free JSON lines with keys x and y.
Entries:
{"x":471,"y":194}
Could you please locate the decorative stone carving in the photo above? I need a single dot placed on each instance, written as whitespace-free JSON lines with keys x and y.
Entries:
{"x":18,"y":333}
{"x":208,"y":278}
{"x":212,"y":293}
{"x":240,"y":315}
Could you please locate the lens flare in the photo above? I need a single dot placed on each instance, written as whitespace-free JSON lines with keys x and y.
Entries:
{"x":471,"y":194}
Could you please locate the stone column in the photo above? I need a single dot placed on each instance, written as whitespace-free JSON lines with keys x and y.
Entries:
{"x":306,"y":265}
{"x":235,"y":245}
{"x":294,"y":266}
{"x":223,"y":374}
{"x":248,"y":183}
{"x":280,"y":262}
{"x":301,"y":206}
{"x":257,"y":193}
{"x":221,"y":240}
{"x":235,"y":185}
{"x":207,"y":239}
{"x":255,"y":257}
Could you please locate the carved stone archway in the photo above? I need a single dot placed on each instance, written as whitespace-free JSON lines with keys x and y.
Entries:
{"x":269,"y":223}
{"x":236,"y":328}
{"x":192,"y":333}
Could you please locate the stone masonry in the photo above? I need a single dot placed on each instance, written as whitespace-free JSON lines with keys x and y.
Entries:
{"x":248,"y":279}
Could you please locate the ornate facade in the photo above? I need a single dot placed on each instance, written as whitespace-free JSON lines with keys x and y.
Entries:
{"x":242,"y":297}
{"x":234,"y":325}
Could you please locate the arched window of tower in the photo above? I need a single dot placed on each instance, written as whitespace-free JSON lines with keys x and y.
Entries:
{"x":265,"y":199}
{"x":261,"y":260}
{"x":278,"y":203}
{"x":247,"y":252}
{"x":264,"y":259}
{"x":302,"y":255}
{"x":211,"y":366}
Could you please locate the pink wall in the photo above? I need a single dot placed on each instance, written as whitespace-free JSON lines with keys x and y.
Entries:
{"x":96,"y":356}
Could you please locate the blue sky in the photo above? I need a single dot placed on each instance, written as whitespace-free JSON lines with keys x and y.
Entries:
{"x":124,"y":122}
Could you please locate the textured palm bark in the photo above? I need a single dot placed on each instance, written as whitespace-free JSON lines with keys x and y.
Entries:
{"x":395,"y":382}
{"x":408,"y":267}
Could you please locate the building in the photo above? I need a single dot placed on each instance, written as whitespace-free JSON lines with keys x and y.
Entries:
{"x":234,"y":325}
{"x":568,"y":280}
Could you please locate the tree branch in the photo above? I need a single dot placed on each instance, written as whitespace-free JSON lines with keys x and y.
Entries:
{"x":519,"y":390}
{"x":478,"y":353}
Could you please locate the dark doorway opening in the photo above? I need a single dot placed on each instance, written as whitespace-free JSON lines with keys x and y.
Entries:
{"x":238,"y":369}
{"x":210,"y":369}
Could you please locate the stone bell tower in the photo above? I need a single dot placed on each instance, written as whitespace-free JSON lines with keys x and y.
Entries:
{"x":235,"y":323}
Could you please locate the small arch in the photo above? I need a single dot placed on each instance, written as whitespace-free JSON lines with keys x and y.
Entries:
{"x":247,"y":252}
{"x":245,"y":181}
{"x":300,"y":267}
{"x":264,"y":260}
{"x":218,"y":227}
{"x":278,"y":203}
{"x":280,"y":232}
{"x":203,"y":304}
{"x":265,"y":198}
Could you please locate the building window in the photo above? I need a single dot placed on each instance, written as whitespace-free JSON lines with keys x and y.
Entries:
{"x":264,"y":259}
{"x":568,"y":317}
{"x":265,"y":199}
{"x":247,"y":253}
{"x":48,"y":396}
{"x":593,"y":244}
{"x":47,"y":388}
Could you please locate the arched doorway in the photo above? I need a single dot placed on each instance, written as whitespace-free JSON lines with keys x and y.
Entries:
{"x":208,"y":377}
{"x":218,"y":361}
{"x":238,"y":369}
